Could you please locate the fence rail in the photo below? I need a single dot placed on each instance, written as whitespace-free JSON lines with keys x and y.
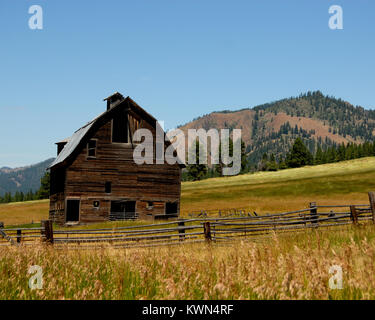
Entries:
{"x":194,"y":230}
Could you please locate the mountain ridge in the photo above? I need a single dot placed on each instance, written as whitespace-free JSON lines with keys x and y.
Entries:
{"x":272,"y":127}
{"x":22,"y":179}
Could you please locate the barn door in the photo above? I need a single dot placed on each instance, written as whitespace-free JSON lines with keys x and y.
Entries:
{"x":171,"y":208}
{"x":72,"y":210}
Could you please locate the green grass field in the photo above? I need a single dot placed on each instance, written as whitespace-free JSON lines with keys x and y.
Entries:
{"x":338,"y":183}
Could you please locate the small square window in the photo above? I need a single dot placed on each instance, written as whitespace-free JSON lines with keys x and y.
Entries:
{"x":108,"y":187}
{"x":96,"y":204}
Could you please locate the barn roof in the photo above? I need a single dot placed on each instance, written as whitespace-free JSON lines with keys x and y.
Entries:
{"x":72,"y":144}
{"x":76,"y":139}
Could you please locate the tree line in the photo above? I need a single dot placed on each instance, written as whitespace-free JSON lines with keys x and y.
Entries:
{"x":298,"y":156}
{"x":19,"y":196}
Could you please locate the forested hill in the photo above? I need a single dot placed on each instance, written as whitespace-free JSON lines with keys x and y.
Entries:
{"x":272,"y":127}
{"x":22,"y":179}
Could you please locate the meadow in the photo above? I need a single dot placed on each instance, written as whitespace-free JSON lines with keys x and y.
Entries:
{"x":339,"y":183}
{"x":344,"y":182}
{"x":279,"y":266}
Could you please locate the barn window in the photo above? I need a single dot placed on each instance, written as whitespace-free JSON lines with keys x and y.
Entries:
{"x":108,"y":187}
{"x":96,"y":204}
{"x":122,"y":210}
{"x":150,"y":205}
{"x":171,"y":208}
{"x":120,"y":127}
{"x":91,"y":149}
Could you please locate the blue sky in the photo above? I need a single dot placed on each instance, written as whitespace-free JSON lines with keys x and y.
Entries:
{"x":177,"y":59}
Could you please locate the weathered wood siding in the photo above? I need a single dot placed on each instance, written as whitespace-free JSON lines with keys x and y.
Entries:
{"x":86,"y":178}
{"x":57,"y":208}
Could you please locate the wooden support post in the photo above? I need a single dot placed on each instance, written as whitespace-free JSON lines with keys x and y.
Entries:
{"x":19,"y":235}
{"x":354,"y":214}
{"x":207,"y":231}
{"x":181,"y":231}
{"x":47,"y":231}
{"x":371,"y":196}
{"x":314,"y":213}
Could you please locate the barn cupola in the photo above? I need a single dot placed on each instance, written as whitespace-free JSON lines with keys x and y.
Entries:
{"x":61,"y":144}
{"x":113,"y":100}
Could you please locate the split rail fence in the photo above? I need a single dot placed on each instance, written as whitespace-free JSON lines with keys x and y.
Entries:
{"x":194,"y":230}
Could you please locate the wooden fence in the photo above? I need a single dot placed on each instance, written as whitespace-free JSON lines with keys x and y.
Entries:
{"x":194,"y":230}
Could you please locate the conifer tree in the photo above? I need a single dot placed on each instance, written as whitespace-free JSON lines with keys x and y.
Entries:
{"x":299,"y":155}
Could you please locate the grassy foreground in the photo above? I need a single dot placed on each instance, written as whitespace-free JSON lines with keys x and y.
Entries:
{"x":294,"y":266}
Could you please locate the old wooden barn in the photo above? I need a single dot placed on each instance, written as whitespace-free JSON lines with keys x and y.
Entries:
{"x":94,"y":177}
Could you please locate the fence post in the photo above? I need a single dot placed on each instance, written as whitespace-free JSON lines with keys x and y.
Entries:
{"x":354,"y":214}
{"x":19,"y":235}
{"x":371,"y":196}
{"x":47,"y":231}
{"x":207,"y":231}
{"x":314,"y":214}
{"x":181,"y":231}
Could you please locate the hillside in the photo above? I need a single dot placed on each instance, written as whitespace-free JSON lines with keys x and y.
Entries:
{"x":272,"y":127}
{"x":22,"y":179}
{"x":345,"y":182}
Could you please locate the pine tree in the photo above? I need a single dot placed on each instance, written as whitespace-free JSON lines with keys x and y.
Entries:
{"x":299,"y":155}
{"x":197,"y":171}
{"x":272,"y":165}
{"x":244,"y":161}
{"x":44,"y":190}
{"x":319,"y":155}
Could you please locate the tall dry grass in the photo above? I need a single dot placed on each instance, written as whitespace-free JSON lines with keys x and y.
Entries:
{"x":293,"y":266}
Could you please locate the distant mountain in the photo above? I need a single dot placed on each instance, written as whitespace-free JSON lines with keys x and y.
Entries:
{"x":272,"y":127}
{"x":22,"y":179}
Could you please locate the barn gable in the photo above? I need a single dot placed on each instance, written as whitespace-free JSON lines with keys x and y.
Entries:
{"x":94,"y":173}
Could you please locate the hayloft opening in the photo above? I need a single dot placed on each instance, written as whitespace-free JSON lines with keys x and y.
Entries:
{"x":120,"y":127}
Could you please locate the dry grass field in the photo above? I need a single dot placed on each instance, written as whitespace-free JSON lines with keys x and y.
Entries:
{"x":24,"y":212}
{"x":294,"y":266}
{"x":280,"y":266}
